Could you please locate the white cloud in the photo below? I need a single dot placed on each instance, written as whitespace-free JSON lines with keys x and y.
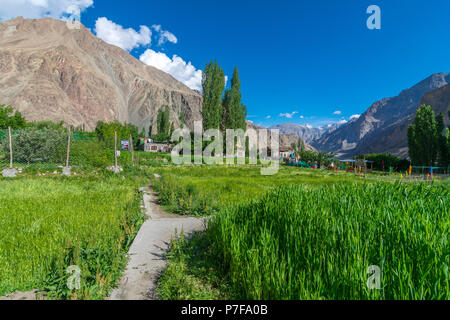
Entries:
{"x":355,"y":116}
{"x":34,"y":9}
{"x":177,"y":67}
{"x":337,"y":112}
{"x":288,"y":115}
{"x":164,"y":35}
{"x":302,"y":117}
{"x":167,"y":36}
{"x":268,"y":117}
{"x":115,"y":34}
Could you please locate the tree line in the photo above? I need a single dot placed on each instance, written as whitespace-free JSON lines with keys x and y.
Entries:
{"x":429,"y":139}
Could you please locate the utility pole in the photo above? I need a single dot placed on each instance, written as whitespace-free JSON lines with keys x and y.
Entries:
{"x":10,"y":149}
{"x":132,"y":150}
{"x":68,"y":147}
{"x":115,"y":149}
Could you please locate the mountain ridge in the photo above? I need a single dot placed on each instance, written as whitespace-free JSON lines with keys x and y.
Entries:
{"x":363,"y":134}
{"x":51,"y":72}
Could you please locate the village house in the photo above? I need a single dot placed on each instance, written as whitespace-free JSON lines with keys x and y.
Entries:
{"x":285,"y":152}
{"x":153,"y":146}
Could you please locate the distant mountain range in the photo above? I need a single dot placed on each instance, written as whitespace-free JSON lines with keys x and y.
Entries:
{"x":51,"y":72}
{"x":383,"y":127}
{"x":286,"y":138}
{"x":306,"y":132}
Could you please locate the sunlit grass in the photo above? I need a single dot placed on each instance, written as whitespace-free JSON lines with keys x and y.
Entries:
{"x":51,"y":223}
{"x":308,"y":234}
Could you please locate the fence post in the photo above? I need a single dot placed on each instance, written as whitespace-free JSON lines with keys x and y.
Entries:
{"x":68,"y":149}
{"x":10,"y":149}
{"x":132,"y":150}
{"x":115,"y":149}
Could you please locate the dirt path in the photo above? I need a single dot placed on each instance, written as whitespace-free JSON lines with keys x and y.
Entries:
{"x":146,"y":254}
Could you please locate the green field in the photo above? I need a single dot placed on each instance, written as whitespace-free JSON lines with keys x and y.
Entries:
{"x":306,"y":234}
{"x":50,"y":223}
{"x":300,"y":234}
{"x":204,"y":190}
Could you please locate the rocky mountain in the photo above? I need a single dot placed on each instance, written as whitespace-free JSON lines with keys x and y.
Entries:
{"x":393,"y":138}
{"x":306,"y":132}
{"x":51,"y":72}
{"x":286,"y":140}
{"x":382,"y":127}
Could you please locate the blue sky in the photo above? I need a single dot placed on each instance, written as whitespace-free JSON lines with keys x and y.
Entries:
{"x":300,"y":59}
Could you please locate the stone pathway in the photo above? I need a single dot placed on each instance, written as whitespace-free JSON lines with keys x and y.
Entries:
{"x":146,"y":255}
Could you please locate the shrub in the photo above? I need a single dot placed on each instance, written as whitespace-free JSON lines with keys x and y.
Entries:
{"x":34,"y":145}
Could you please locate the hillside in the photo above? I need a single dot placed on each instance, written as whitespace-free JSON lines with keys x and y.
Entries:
{"x":286,"y":140}
{"x":50,"y":72}
{"x":393,"y":138}
{"x":382,"y":127}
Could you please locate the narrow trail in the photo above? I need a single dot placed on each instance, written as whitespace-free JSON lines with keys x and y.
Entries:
{"x":147,"y":253}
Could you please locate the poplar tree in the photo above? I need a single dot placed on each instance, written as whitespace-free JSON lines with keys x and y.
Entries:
{"x":213,"y":84}
{"x":235,"y":111}
{"x":422,"y":137}
{"x":442,"y":142}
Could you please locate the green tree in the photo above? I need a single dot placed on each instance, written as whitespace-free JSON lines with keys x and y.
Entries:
{"x":442,"y":141}
{"x":298,"y":147}
{"x":234,"y":111}
{"x":213,"y":84}
{"x":150,"y":131}
{"x":324,"y":157}
{"x":105,"y":132}
{"x":422,"y":137}
{"x":9,"y":118}
{"x":163,"y":125}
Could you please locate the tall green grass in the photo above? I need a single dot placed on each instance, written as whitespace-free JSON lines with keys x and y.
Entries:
{"x":49,"y":224}
{"x":302,"y":243}
{"x":205,"y":190}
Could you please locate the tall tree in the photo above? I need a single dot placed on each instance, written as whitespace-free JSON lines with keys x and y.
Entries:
{"x":163,"y":124}
{"x":442,"y":141}
{"x":422,"y":137}
{"x":235,"y":111}
{"x":213,"y":84}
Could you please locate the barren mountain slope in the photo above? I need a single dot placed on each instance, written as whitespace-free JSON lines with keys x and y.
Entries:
{"x":369,"y":133}
{"x":48,"y":71}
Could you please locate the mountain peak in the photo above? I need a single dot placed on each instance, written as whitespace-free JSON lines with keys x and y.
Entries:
{"x":367,"y":134}
{"x":51,"y":72}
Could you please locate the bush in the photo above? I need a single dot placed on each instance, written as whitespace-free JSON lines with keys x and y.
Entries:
{"x":396,"y":163}
{"x":91,"y":153}
{"x":34,"y":145}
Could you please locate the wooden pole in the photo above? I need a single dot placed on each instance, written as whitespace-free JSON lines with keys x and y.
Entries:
{"x":132,"y":151}
{"x":10,"y":149}
{"x":68,"y":147}
{"x":115,"y":149}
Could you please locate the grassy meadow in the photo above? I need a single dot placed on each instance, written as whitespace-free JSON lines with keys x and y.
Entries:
{"x":205,"y":190}
{"x":300,"y":234}
{"x":52,"y":222}
{"x":305,"y":234}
